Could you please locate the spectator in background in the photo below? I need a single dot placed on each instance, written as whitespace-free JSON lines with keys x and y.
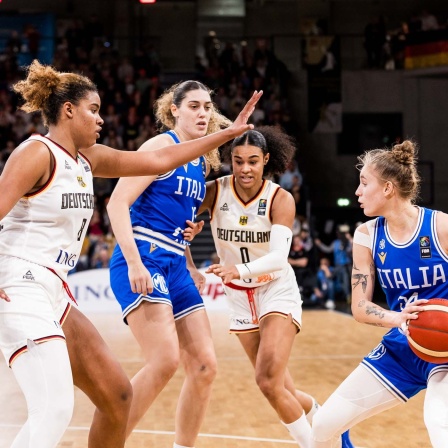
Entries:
{"x":286,"y":180}
{"x":299,"y":259}
{"x":374,"y":38}
{"x":33,"y":40}
{"x":113,"y":139}
{"x":213,"y":259}
{"x":398,"y":44}
{"x":428,"y":21}
{"x":325,"y":284}
{"x":101,"y":255}
{"x":36,"y":125}
{"x":341,"y":248}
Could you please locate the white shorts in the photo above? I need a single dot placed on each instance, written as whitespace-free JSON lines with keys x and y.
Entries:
{"x":281,"y":297}
{"x":37,"y":308}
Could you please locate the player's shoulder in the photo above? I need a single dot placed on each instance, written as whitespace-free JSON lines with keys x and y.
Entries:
{"x":282,"y":195}
{"x":157,"y":142}
{"x":33,"y":149}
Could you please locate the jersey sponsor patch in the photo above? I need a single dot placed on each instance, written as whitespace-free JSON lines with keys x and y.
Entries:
{"x":425,"y":247}
{"x":262,"y":206}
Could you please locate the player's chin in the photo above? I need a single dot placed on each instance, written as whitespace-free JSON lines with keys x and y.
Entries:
{"x":367,"y":212}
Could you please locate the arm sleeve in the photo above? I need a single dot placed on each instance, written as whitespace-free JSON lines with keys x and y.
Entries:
{"x":275,"y":260}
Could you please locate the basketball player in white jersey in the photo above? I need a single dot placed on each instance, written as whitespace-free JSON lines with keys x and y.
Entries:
{"x":46,"y":202}
{"x":407,"y":248}
{"x":251,"y":221}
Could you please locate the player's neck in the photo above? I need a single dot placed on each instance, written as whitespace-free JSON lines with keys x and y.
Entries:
{"x":403,"y":221}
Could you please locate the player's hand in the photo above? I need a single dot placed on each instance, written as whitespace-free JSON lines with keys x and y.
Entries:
{"x":139,"y":278}
{"x":409,"y":312}
{"x":198,"y":278}
{"x":240,"y":126}
{"x":4,"y":296}
{"x":227,"y":273}
{"x":192,"y":230}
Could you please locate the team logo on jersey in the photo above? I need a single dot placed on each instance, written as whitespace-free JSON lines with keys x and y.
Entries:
{"x":425,"y":247}
{"x":262,"y":205}
{"x":67,"y":166}
{"x":225,"y":207}
{"x":378,"y":352}
{"x":243,"y":220}
{"x":152,"y":248}
{"x":158,"y":281}
{"x":382,"y":256}
{"x":81,"y":181}
{"x":382,"y":244}
{"x":28,"y":276}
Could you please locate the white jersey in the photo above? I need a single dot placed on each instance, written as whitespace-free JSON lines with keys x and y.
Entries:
{"x":242,"y":230}
{"x":48,"y":226}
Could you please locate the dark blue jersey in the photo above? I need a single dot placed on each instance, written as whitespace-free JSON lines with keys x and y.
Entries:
{"x":416,"y":269}
{"x":159,"y":214}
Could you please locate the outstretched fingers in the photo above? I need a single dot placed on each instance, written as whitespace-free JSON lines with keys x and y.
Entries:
{"x":247,"y":110}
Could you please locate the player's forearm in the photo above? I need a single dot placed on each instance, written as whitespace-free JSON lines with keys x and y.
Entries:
{"x":122,"y":228}
{"x":367,"y":312}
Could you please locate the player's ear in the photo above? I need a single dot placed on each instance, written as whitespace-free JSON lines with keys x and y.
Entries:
{"x":388,"y":187}
{"x":174,"y":111}
{"x":68,"y":109}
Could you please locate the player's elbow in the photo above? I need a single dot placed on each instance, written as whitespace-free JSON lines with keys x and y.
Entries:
{"x":357,"y":313}
{"x":280,"y":261}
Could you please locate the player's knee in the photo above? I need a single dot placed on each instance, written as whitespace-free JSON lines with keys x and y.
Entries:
{"x":267,"y":384}
{"x":62,"y":414}
{"x":169,"y":365}
{"x":209,"y":368}
{"x":116,"y":402}
{"x":436,"y":420}
{"x":123,"y":393}
{"x":206,"y":368}
{"x":322,"y":429}
{"x":54,"y":415}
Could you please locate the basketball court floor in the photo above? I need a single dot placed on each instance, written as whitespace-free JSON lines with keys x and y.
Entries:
{"x":329,"y":347}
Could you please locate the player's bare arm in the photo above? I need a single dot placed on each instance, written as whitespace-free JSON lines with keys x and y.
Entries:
{"x":27,"y":169}
{"x":363,"y":283}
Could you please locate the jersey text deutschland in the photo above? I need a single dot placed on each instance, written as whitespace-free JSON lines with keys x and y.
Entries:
{"x":77,"y":200}
{"x":243,"y":236}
